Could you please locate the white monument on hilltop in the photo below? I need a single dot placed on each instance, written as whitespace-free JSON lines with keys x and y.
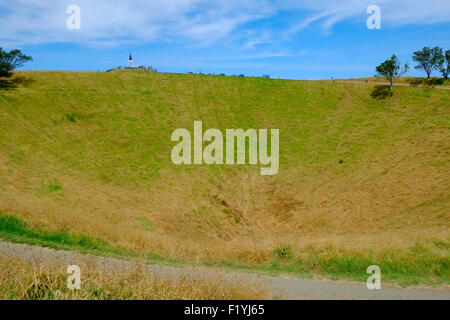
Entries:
{"x":130,"y":61}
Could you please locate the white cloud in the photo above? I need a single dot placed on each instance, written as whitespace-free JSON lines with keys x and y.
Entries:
{"x":123,"y":21}
{"x":393,"y":12}
{"x":109,"y":23}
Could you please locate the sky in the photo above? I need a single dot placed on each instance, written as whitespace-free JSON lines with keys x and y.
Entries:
{"x":303,"y":39}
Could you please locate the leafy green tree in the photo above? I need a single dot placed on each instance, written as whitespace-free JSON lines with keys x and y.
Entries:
{"x":444,"y":66}
{"x":428,"y":59}
{"x":11,"y":60}
{"x":392,"y":69}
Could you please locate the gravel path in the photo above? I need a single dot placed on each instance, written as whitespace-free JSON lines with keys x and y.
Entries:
{"x":286,"y":287}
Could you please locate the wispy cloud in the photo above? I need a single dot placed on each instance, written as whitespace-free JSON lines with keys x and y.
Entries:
{"x":260,"y":55}
{"x":121,"y":21}
{"x":327,"y":13}
{"x":203,"y":22}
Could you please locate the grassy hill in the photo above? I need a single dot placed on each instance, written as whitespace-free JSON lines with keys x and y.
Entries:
{"x":362,"y":180}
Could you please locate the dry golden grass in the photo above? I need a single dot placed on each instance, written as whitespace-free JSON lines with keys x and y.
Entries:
{"x":394,"y":202}
{"x":391,"y":195}
{"x":22,"y":280}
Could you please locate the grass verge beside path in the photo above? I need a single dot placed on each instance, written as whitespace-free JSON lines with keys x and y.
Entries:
{"x":417,"y":266}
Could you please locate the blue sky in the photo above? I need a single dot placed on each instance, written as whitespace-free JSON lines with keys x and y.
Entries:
{"x":305,"y":39}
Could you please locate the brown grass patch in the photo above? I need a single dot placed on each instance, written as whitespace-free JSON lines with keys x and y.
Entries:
{"x":23,"y":280}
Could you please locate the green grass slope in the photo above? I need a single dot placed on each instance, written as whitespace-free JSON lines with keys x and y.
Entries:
{"x":363,"y":178}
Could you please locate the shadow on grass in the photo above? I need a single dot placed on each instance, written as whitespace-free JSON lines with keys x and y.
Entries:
{"x":381,"y":92}
{"x":7,"y":83}
{"x":426,"y":82}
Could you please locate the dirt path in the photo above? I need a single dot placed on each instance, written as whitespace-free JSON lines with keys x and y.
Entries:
{"x":286,"y":287}
{"x":373,"y":83}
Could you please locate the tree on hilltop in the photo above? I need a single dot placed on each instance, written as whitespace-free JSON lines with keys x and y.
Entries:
{"x":11,"y":60}
{"x":428,"y":59}
{"x":392,"y":69}
{"x":444,"y":65}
